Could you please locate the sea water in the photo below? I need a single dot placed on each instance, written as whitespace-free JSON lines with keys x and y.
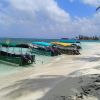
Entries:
{"x":7,"y":69}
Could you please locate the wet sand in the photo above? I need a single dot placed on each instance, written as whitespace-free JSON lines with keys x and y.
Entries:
{"x":64,"y":78}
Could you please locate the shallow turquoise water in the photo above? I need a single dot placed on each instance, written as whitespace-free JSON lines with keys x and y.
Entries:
{"x":6,"y":69}
{"x":88,"y":45}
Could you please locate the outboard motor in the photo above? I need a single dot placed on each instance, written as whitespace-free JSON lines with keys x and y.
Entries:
{"x":31,"y":58}
{"x":27,"y":59}
{"x":24,"y":60}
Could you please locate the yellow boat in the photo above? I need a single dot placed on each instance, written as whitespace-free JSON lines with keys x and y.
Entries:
{"x":66,"y":48}
{"x":62,"y":44}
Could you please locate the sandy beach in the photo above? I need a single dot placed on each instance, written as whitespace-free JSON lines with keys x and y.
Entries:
{"x":64,"y":78}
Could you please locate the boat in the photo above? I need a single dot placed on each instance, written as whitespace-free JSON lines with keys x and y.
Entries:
{"x":69,"y":40}
{"x":22,"y":45}
{"x":73,"y":42}
{"x":44,"y":48}
{"x":62,"y":44}
{"x":21,"y":59}
{"x":66,"y":48}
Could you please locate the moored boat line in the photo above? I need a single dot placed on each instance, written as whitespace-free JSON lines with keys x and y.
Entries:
{"x":40,"y":48}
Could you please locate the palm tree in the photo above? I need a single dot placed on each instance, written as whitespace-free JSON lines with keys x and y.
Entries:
{"x":97,"y":8}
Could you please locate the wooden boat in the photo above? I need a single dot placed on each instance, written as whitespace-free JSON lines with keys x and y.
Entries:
{"x":15,"y":58}
{"x":16,"y":45}
{"x":69,"y":40}
{"x":44,"y":48}
{"x":62,"y":44}
{"x":66,"y":48}
{"x":72,"y":41}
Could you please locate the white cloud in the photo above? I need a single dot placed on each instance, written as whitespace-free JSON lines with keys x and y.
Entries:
{"x":48,"y":7}
{"x":92,"y":2}
{"x":89,"y":25}
{"x":88,"y":2}
{"x":44,"y":18}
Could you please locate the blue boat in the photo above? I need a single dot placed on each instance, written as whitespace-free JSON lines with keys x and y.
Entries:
{"x":72,"y":41}
{"x":42,"y":44}
{"x":69,"y":41}
{"x":44,"y":48}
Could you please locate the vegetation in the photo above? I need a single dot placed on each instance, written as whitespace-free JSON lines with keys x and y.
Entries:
{"x":82,"y":37}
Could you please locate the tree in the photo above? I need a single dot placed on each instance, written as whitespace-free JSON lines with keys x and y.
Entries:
{"x":97,"y":8}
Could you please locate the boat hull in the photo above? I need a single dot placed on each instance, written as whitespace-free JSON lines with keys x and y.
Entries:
{"x":68,"y":50}
{"x":20,"y":60}
{"x":42,"y":52}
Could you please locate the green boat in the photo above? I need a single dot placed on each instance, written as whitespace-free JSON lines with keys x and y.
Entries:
{"x":15,"y":58}
{"x":66,"y":48}
{"x":72,"y":41}
{"x":44,"y":48}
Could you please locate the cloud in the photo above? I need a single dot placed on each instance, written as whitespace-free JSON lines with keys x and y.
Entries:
{"x":88,"y":26}
{"x":34,"y":16}
{"x":43,"y":18}
{"x":44,"y":7}
{"x":92,"y":2}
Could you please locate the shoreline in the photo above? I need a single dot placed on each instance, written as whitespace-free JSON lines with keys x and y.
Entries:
{"x":40,"y":83}
{"x":32,"y":70}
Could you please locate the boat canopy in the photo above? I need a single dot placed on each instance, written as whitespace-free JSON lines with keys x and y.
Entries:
{"x":62,"y":44}
{"x":42,"y":44}
{"x":24,"y":45}
{"x":69,"y":41}
{"x":8,"y":45}
{"x":15,"y":45}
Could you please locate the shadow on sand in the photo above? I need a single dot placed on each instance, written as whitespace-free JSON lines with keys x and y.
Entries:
{"x":76,"y":86}
{"x":24,"y":87}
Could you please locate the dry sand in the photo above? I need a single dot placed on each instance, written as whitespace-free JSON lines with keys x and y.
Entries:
{"x":65,"y":78}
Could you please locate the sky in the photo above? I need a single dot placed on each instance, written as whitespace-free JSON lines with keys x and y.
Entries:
{"x":49,"y":18}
